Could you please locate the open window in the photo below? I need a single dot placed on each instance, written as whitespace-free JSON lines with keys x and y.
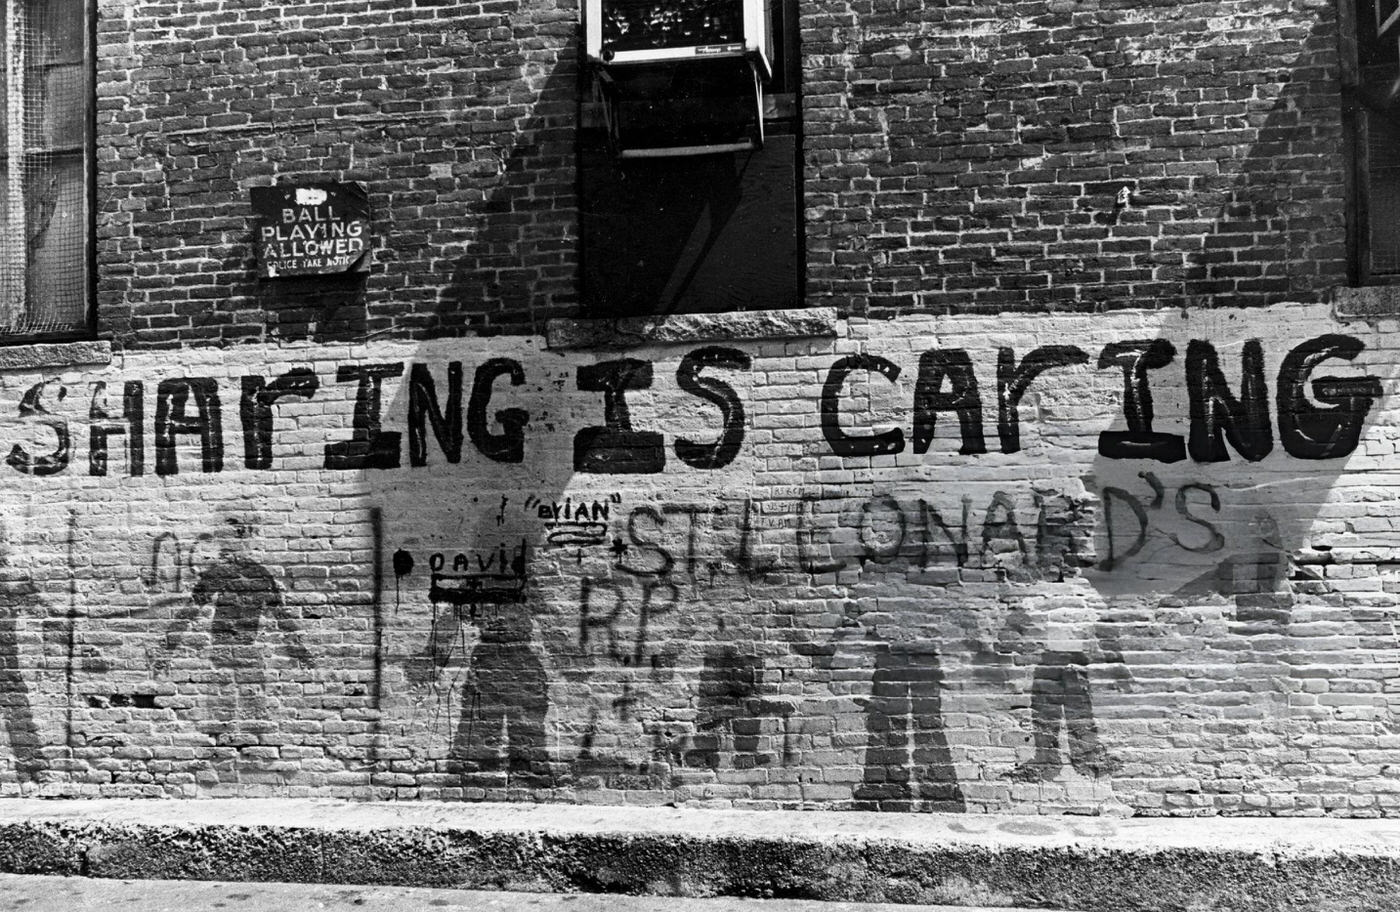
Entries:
{"x":689,"y":157}
{"x":680,"y":77}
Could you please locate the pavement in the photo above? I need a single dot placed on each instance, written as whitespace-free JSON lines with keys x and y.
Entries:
{"x":1088,"y":864}
{"x":80,"y":894}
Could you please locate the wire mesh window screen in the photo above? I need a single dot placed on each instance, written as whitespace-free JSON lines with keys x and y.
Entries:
{"x":43,"y":173}
{"x":1383,"y":193}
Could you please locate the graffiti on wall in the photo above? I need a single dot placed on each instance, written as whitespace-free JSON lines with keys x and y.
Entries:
{"x":573,"y":621}
{"x":503,"y":695}
{"x":1310,"y":417}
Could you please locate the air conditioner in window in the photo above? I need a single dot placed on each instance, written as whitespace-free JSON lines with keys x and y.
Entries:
{"x":679,"y":77}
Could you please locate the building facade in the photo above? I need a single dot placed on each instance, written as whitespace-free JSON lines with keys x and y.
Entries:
{"x":1014,"y":430}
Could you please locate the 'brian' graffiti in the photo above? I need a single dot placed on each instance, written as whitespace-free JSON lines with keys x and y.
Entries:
{"x":1317,"y":417}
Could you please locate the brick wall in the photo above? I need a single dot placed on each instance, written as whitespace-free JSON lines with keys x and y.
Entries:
{"x":459,"y":118}
{"x":970,"y":155}
{"x":959,"y":157}
{"x":837,"y":571}
{"x":944,"y":556}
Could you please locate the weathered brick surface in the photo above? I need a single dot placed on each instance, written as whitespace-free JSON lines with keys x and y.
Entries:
{"x":910,"y":566}
{"x":459,"y":117}
{"x":969,"y":155}
{"x":776,"y":624}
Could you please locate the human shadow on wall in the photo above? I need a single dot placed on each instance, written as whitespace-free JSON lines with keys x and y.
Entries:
{"x":505,"y":697}
{"x":246,"y":601}
{"x":18,"y":597}
{"x":1206,"y":534}
{"x":908,"y":766}
{"x":479,"y":661}
{"x":1060,"y":693}
{"x":734,"y":719}
{"x":520,"y":265}
{"x":486,"y":662}
{"x":1179,"y":523}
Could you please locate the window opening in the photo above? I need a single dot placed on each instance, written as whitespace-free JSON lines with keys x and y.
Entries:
{"x":680,"y":77}
{"x":45,"y":154}
{"x":1371,"y":80}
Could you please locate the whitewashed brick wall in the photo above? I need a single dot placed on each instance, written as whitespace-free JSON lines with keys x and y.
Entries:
{"x":791,"y":628}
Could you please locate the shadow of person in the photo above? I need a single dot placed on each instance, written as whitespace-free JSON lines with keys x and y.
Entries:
{"x":520,"y":267}
{"x":243,"y":601}
{"x":500,"y":737}
{"x":908,"y":766}
{"x":18,"y":597}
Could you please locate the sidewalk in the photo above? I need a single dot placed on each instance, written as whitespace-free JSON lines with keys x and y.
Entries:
{"x":31,"y":893}
{"x":1082,"y":863}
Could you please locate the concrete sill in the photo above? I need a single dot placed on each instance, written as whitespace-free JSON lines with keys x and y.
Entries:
{"x":41,"y":355}
{"x":1373,"y":302}
{"x":673,"y":329}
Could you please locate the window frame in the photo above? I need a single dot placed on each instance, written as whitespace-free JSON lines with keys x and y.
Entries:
{"x":87,"y":331}
{"x":1357,"y":116}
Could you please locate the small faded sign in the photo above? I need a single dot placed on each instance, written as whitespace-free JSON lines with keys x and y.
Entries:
{"x":311,"y":229}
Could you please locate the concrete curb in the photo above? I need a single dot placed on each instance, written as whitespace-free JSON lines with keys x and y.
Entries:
{"x":1090,"y":864}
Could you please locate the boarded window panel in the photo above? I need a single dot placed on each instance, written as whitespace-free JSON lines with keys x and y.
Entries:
{"x":701,"y":234}
{"x":1383,"y":193}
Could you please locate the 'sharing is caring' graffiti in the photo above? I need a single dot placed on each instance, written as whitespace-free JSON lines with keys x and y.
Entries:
{"x":1317,"y":417}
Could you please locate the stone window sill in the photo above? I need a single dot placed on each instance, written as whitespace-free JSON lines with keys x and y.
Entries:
{"x":44,"y":355}
{"x":1373,"y":302}
{"x":672,"y":329}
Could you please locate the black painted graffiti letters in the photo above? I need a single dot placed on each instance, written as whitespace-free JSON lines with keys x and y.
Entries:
{"x":962,"y":398}
{"x":1216,"y":412}
{"x":105,"y":426}
{"x":882,"y":443}
{"x":721,"y":453}
{"x":255,"y":411}
{"x":173,"y":419}
{"x":423,"y":406}
{"x":32,"y":406}
{"x":1317,"y":417}
{"x":1013,"y":380}
{"x":509,"y":445}
{"x":1139,"y":441}
{"x":615,"y":447}
{"x":495,"y":577}
{"x":1329,"y":430}
{"x":369,"y":447}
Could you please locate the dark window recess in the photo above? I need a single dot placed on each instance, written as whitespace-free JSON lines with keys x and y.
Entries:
{"x":1370,"y":37}
{"x":713,"y":222}
{"x":709,"y":105}
{"x":1383,"y":194}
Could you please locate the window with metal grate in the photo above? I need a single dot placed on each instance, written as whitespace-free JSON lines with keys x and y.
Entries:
{"x":46,"y":170}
